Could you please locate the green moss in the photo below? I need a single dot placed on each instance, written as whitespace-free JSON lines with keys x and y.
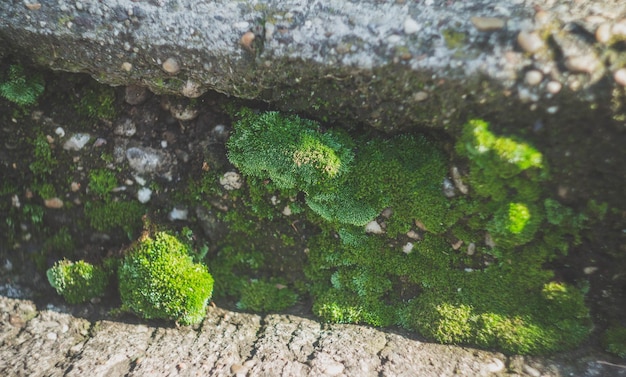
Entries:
{"x":453,"y":38}
{"x":43,"y":163}
{"x":78,"y":281}
{"x":515,"y":224}
{"x":614,"y":341}
{"x":105,"y":217}
{"x":158,"y":279}
{"x":97,"y":102}
{"x":102,"y":182}
{"x":22,"y":88}
{"x":290,"y":151}
{"x":266,"y":296}
{"x":446,"y":294}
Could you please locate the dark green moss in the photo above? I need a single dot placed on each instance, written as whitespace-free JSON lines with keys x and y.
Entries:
{"x":125,"y":215}
{"x":614,"y":341}
{"x":266,"y":296}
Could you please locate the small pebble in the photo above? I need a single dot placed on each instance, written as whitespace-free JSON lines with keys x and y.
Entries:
{"x":531,"y":371}
{"x":530,"y":42}
{"x":448,"y":188}
{"x":144,"y":194}
{"x":471,"y":249}
{"x":171,"y":66}
{"x":457,"y":245}
{"x":33,"y":6}
{"x":533,"y":77}
{"x":458,"y":181}
{"x":552,"y":109}
{"x":59,"y":131}
{"x":74,"y":186}
{"x":583,"y":63}
{"x":373,"y":227}
{"x":619,"y":29}
{"x":387,"y":212}
{"x":603,"y":33}
{"x":178,"y":214}
{"x":620,"y":76}
{"x":231,"y":181}
{"x":76,"y":142}
{"x":406,"y":249}
{"x":287,"y":211}
{"x":590,"y":270}
{"x":54,"y":203}
{"x":489,"y":241}
{"x":554,"y":87}
{"x":496,"y":366}
{"x":487,"y":23}
{"x":247,"y":39}
{"x":420,"y":96}
{"x":52,"y":336}
{"x":126,"y":66}
{"x":413,"y":235}
{"x":411,"y":26}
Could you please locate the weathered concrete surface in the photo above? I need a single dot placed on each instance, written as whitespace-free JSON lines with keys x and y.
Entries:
{"x":390,"y":64}
{"x":50,"y":341}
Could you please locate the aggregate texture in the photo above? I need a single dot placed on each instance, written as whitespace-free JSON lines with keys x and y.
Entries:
{"x":389,"y":64}
{"x":39,"y":339}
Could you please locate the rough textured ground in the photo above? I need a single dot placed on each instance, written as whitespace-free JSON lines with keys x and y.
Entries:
{"x":45,"y":338}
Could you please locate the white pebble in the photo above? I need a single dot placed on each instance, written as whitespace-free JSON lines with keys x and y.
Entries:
{"x":231,"y":181}
{"x":59,"y":131}
{"x":287,"y":211}
{"x":178,"y":214}
{"x":471,"y":249}
{"x":620,"y":76}
{"x":554,"y":87}
{"x":552,"y":109}
{"x":603,"y":33}
{"x":76,"y":142}
{"x":406,"y":249}
{"x":51,"y":336}
{"x":533,"y":77}
{"x":496,"y":366}
{"x":171,"y":66}
{"x":373,"y":227}
{"x":590,"y":270}
{"x":163,"y":143}
{"x":530,"y":42}
{"x":144,"y":194}
{"x":411,"y":26}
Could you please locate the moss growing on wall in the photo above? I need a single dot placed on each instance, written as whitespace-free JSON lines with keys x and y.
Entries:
{"x":497,"y":296}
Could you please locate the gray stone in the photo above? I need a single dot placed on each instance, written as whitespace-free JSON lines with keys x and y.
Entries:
{"x":304,"y":50}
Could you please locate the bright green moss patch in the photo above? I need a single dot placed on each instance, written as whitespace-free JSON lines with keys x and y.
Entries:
{"x":158,"y":279}
{"x":78,"y":281}
{"x":20,"y":87}
{"x":467,"y":269}
{"x":102,"y":182}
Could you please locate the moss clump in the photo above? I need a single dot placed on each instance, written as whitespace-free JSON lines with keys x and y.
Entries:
{"x":102,"y":182}
{"x":266,"y":296}
{"x":289,"y":150}
{"x":20,"y":88}
{"x":158,"y":279}
{"x":614,"y":341}
{"x":105,"y":217}
{"x":43,"y":163}
{"x":78,"y":281}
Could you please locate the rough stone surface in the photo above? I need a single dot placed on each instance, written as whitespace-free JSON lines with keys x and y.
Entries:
{"x":333,"y":59}
{"x":88,"y":342}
